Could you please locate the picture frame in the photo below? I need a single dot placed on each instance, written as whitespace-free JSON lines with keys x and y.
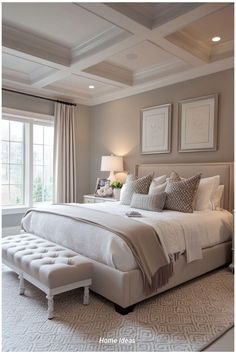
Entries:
{"x":101,"y":182}
{"x":156,"y":129}
{"x":198,"y":120}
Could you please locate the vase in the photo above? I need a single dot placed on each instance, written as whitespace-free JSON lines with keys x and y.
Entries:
{"x":116,"y":193}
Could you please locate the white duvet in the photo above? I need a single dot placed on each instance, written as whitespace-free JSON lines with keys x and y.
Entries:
{"x":178,"y":232}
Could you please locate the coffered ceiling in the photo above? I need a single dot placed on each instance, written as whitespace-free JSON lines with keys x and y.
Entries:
{"x":59,"y":50}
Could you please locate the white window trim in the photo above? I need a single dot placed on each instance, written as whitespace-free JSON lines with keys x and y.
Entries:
{"x":25,"y":116}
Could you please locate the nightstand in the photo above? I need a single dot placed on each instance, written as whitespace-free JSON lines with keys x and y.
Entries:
{"x":90,"y":198}
{"x":231,"y":266}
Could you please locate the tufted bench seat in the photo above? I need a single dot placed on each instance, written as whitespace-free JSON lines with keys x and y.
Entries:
{"x":52,"y":268}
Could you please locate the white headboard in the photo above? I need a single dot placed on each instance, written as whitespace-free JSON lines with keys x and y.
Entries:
{"x":224,"y":169}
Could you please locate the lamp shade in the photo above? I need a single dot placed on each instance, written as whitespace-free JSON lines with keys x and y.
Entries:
{"x":112,"y":163}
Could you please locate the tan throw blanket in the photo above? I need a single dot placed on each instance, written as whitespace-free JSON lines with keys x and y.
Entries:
{"x":141,"y":238}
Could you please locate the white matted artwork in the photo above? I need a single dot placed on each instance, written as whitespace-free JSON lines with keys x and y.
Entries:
{"x":156,"y":129}
{"x":198,"y":124}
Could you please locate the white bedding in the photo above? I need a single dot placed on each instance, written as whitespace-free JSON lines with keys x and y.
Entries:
{"x":178,"y":232}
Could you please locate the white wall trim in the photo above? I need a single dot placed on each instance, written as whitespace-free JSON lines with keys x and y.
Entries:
{"x":18,"y":113}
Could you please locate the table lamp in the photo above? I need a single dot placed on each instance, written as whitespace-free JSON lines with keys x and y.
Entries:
{"x":112,"y":163}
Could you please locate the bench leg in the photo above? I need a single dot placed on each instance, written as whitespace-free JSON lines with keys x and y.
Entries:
{"x":22,"y":284}
{"x":50,"y":306}
{"x":86,"y":295}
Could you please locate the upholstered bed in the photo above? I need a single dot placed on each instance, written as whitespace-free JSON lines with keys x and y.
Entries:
{"x":115,"y":275}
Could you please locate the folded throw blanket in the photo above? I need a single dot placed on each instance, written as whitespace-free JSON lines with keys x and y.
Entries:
{"x":141,"y":238}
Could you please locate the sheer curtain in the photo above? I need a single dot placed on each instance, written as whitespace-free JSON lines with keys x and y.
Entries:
{"x":64,"y":155}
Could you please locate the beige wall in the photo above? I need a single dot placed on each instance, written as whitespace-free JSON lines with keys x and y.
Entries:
{"x":115,"y":126}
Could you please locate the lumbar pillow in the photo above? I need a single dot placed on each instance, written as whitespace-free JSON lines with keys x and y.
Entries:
{"x":140,"y":185}
{"x":157,"y":185}
{"x":154,"y":202}
{"x":180,"y":194}
{"x":206,"y":191}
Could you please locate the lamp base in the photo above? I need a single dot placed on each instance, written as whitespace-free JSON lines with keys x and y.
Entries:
{"x":111,"y":177}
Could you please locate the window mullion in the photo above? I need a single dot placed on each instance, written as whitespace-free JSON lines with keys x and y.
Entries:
{"x":28,"y":164}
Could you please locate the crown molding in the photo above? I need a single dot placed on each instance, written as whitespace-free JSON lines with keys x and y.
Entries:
{"x":192,"y":73}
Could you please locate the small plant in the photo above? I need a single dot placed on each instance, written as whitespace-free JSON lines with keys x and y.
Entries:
{"x":116,"y":184}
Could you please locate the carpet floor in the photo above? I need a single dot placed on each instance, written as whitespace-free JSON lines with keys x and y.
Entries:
{"x":186,"y":318}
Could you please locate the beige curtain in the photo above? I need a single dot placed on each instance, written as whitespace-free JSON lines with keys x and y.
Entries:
{"x":64,"y":155}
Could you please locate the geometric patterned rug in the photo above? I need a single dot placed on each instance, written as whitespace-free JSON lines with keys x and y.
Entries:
{"x":186,"y":318}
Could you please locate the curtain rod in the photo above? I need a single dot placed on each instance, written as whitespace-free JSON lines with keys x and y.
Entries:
{"x":42,"y":98}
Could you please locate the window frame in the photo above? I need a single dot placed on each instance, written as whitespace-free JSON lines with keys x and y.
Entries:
{"x":29,"y":118}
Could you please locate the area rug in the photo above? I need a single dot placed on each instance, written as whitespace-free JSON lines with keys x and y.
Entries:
{"x":186,"y":318}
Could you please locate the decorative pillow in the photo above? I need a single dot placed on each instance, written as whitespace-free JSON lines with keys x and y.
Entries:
{"x":157,"y":189}
{"x":180,"y":195}
{"x":158,"y":185}
{"x":153,"y":202}
{"x":218,"y":200}
{"x":140,"y":185}
{"x":206,"y":192}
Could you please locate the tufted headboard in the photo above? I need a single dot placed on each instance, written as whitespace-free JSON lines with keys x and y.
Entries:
{"x":224,"y":169}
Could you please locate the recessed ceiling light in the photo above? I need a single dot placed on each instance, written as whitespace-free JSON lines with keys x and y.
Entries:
{"x":216,"y":39}
{"x":91,"y":86}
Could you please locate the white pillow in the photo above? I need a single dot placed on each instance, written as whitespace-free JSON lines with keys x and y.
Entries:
{"x":160,"y":179}
{"x":206,"y":191}
{"x":157,"y":185}
{"x":154,"y":189}
{"x":218,"y":199}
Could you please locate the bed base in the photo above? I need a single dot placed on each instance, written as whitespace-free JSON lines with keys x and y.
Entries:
{"x":125,"y":289}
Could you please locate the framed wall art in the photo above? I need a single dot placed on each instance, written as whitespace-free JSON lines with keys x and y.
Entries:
{"x":156,"y":129}
{"x":198,"y":124}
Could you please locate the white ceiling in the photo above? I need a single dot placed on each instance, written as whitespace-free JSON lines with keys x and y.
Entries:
{"x":59,"y":49}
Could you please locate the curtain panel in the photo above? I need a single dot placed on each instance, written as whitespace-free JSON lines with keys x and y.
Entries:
{"x":64,"y":155}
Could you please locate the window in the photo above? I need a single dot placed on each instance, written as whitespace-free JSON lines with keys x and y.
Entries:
{"x":12,"y":163}
{"x":27,"y":162}
{"x":42,"y":164}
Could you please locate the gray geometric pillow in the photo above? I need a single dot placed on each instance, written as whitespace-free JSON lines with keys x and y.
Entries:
{"x":153,"y":202}
{"x":140,"y":185}
{"x":180,"y":195}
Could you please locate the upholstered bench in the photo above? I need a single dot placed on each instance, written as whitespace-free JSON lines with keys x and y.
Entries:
{"x":53,"y":269}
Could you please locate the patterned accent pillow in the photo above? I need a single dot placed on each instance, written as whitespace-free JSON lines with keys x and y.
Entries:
{"x":174,"y":177}
{"x":180,"y":195}
{"x":140,"y":185}
{"x":154,"y":202}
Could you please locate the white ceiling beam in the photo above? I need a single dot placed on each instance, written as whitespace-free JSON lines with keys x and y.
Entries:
{"x":128,"y":24}
{"x":48,"y":78}
{"x":96,"y":55}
